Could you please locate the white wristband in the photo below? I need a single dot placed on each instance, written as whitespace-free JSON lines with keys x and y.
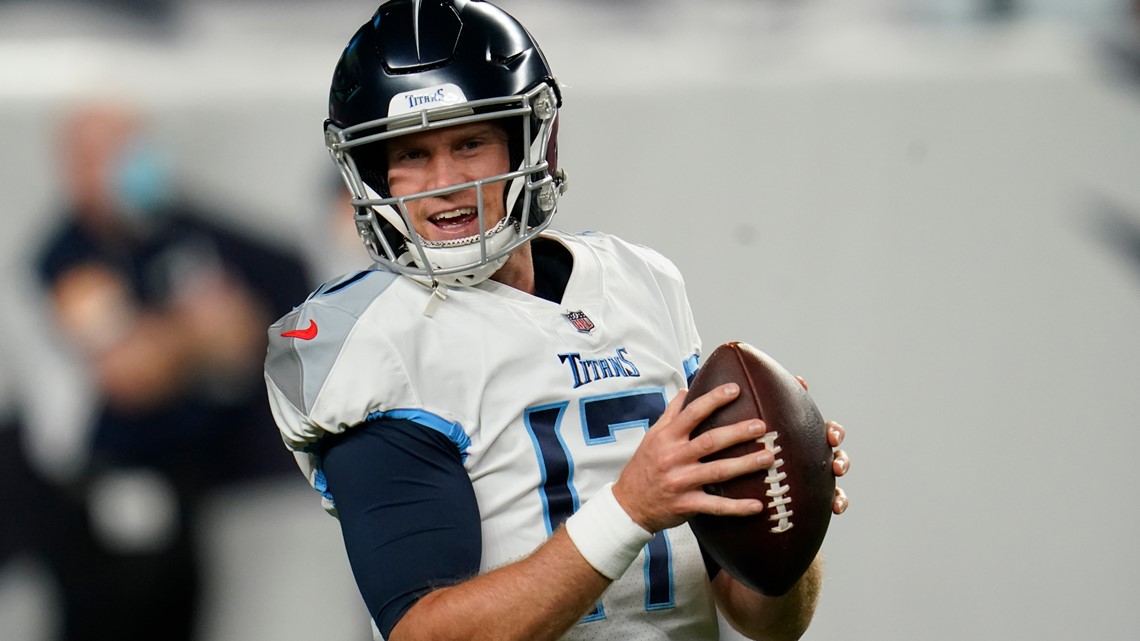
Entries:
{"x":605,"y":535}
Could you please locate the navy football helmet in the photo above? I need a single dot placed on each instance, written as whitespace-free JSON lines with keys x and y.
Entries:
{"x":420,"y":65}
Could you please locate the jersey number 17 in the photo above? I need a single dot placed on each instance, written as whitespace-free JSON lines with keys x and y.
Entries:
{"x":601,"y":418}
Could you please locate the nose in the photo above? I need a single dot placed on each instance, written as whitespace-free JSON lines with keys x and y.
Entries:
{"x":444,"y":171}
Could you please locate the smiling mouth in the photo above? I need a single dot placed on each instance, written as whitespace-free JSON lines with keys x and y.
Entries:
{"x":455,"y":219}
{"x":470,"y":235}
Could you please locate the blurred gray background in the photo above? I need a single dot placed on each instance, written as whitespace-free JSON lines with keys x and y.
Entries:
{"x":928,"y":208}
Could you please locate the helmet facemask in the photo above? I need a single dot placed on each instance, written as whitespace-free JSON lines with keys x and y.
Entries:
{"x":531,"y":192}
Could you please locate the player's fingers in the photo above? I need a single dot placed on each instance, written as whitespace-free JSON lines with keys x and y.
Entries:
{"x":719,"y":438}
{"x":840,"y":464}
{"x":835,"y":433}
{"x":839,"y":503}
{"x":722,"y":506}
{"x":674,"y":407}
{"x":700,"y":407}
{"x":725,"y":469}
{"x":803,"y":383}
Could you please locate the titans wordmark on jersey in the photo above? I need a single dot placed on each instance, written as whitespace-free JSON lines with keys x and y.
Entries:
{"x":546,"y":402}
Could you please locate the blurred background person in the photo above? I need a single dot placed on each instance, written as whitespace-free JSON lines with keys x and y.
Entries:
{"x":25,"y":497}
{"x":167,"y":308}
{"x":15,"y":503}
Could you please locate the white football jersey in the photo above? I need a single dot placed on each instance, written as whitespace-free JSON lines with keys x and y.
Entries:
{"x":545,"y":401}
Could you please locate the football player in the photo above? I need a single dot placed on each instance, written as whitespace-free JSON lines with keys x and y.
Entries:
{"x":494,"y":410}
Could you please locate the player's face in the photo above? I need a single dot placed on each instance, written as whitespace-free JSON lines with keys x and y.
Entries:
{"x":442,"y":158}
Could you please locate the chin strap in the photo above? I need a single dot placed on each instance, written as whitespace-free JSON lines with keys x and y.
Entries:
{"x":438,"y":294}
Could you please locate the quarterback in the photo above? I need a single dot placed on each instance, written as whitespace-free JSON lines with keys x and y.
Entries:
{"x":493,"y":411}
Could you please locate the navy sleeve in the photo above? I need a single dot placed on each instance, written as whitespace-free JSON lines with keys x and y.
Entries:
{"x":407,"y":512}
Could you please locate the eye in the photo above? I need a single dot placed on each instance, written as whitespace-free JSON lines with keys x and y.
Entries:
{"x":404,"y":156}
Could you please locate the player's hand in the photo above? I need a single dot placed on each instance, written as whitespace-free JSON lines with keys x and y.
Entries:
{"x":224,"y":320}
{"x":840,"y":462}
{"x":663,"y":484}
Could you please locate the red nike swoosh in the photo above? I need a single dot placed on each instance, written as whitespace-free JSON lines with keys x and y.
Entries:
{"x":307,"y":334}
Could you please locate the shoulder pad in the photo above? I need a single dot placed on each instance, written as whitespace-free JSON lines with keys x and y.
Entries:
{"x":305,"y":343}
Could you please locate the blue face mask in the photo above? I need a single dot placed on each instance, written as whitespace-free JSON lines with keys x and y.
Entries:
{"x":141,"y":181}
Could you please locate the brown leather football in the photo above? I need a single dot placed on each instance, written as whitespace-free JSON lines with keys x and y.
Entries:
{"x":769,"y":551}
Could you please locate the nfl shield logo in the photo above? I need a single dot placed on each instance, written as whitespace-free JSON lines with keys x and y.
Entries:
{"x":580,"y":321}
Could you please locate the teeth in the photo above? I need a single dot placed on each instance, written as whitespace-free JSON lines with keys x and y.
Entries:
{"x":448,"y":215}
